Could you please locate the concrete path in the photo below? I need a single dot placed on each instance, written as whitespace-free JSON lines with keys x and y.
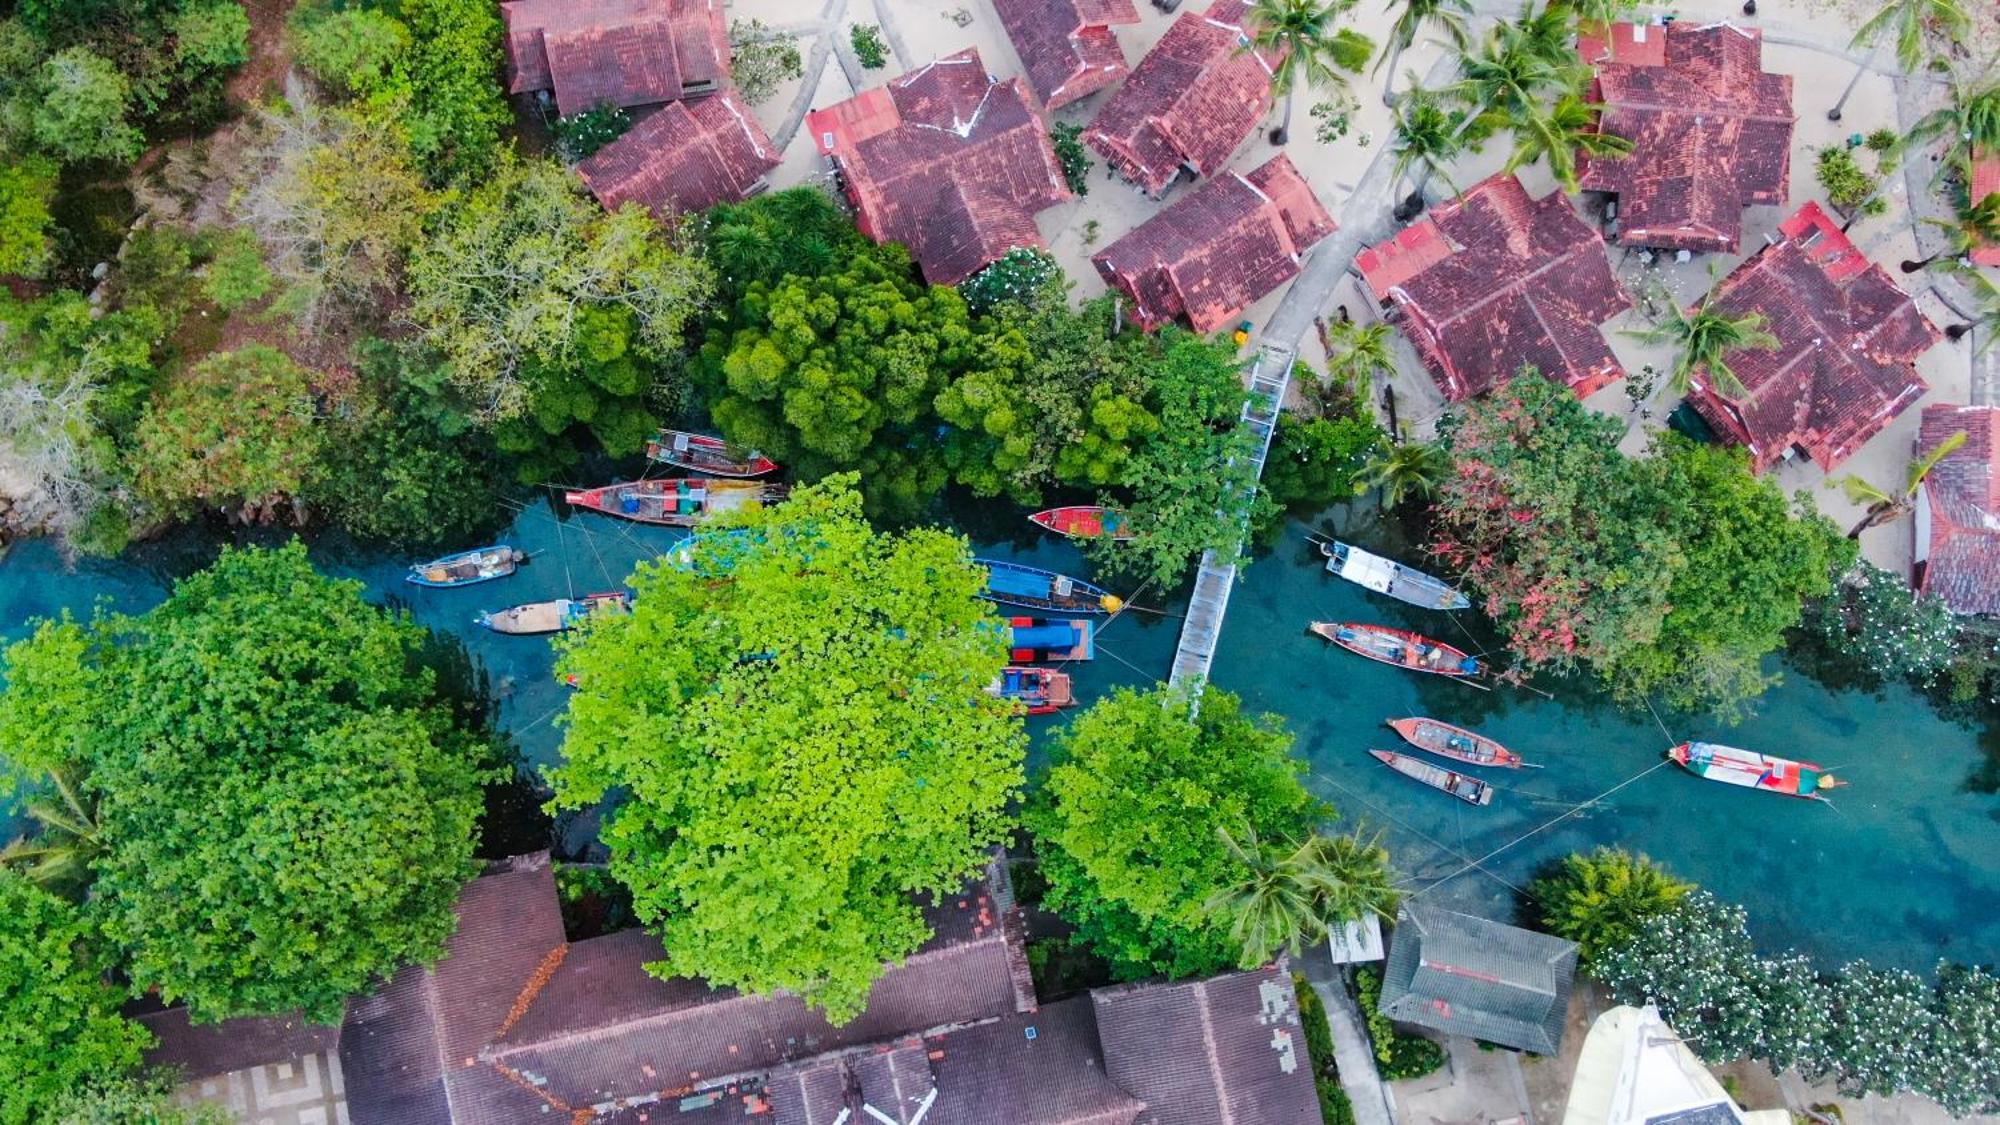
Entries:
{"x":1352,"y":1052}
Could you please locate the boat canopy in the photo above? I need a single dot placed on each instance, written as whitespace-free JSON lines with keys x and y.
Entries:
{"x":1373,"y":571}
{"x":1019,"y":583}
{"x":1055,"y":635}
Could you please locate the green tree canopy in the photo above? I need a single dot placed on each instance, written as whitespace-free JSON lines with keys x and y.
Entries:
{"x":81,"y":108}
{"x":457,"y":107}
{"x":1601,"y":899}
{"x":806,"y":745}
{"x":61,"y":1017}
{"x":286,"y":810}
{"x":1129,"y":824}
{"x":27,"y":185}
{"x":236,"y":429}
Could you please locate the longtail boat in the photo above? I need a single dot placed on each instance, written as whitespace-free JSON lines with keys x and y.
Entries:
{"x":554,"y":616}
{"x":1011,"y":583}
{"x":482,"y":564}
{"x":1031,"y":639}
{"x":705,"y":454}
{"x":1471,"y":790}
{"x":675,"y":501}
{"x":1752,"y":770}
{"x":1040,"y":691}
{"x":1085,"y":522}
{"x":1387,"y":576}
{"x":1399,"y":647}
{"x":1457,"y":743}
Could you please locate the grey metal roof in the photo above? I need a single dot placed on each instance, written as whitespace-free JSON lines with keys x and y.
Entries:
{"x":1466,"y":975}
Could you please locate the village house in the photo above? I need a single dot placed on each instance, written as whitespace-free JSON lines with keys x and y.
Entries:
{"x":1206,"y":257}
{"x":1067,"y":47}
{"x":1957,"y":524}
{"x":1848,"y":341}
{"x":946,"y":160}
{"x":683,"y":157}
{"x":1466,"y":975}
{"x":1495,"y":281}
{"x":1189,"y":104}
{"x":626,"y":53}
{"x":1711,"y":131}
{"x":517,"y":1023}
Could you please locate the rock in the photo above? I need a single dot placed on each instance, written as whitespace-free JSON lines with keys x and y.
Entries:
{"x":99,"y":271}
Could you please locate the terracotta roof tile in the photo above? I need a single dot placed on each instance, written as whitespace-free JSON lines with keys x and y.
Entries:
{"x":1985,"y":182}
{"x":1958,"y":509}
{"x":686,"y":156}
{"x":946,"y":161}
{"x":1209,"y":255}
{"x":1848,"y":339}
{"x":1711,"y":132}
{"x":1494,"y":281}
{"x":1067,"y":47}
{"x":625,"y":52}
{"x":209,"y":1050}
{"x":1190,"y":102}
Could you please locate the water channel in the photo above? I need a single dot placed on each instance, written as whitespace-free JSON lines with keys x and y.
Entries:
{"x":1903,"y":868}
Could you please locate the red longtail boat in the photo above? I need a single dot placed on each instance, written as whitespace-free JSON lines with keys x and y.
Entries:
{"x":1457,"y":743}
{"x":1040,"y":691}
{"x":1085,"y":522}
{"x":1399,"y":647}
{"x":705,"y":454}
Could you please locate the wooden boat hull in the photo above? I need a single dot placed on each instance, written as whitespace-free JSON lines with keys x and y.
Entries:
{"x":1390,"y":578}
{"x":1456,"y":743}
{"x":1031,"y":639}
{"x":1009,"y":583}
{"x":1085,"y":522}
{"x":1751,"y":770}
{"x":467,"y":568}
{"x":1399,"y":648}
{"x":705,"y":454}
{"x":1039,"y":691}
{"x":672,"y":502}
{"x":553,"y":616}
{"x":1466,"y":788}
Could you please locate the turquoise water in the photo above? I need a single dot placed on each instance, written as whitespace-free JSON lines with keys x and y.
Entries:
{"x":1901,"y":869}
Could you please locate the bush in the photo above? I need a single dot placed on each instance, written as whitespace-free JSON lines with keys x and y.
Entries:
{"x":1067,"y":139}
{"x":236,"y":275}
{"x":353,"y":51}
{"x":868,"y":46}
{"x":1334,"y":1106}
{"x":1602,"y":899}
{"x":1397,"y":1056}
{"x":1019,"y":275}
{"x":1846,"y":185}
{"x":760,"y":59}
{"x":581,"y":134}
{"x":1873,"y":628}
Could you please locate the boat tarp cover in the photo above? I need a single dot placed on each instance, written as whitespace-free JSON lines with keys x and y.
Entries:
{"x":1372,"y":571}
{"x":1045,"y":636}
{"x":1020,"y":583}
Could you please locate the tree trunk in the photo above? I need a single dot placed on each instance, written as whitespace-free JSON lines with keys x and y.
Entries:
{"x":1283,"y":132}
{"x":1389,"y":87}
{"x":1957,"y":332}
{"x":1878,"y":513}
{"x":1834,"y":113}
{"x":1912,"y":267}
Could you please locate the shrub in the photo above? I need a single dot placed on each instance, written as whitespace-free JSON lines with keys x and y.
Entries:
{"x":1332,"y":119}
{"x":1873,"y":628}
{"x":236,"y":275}
{"x":1072,"y":155}
{"x":1847,"y":186}
{"x":760,"y":59}
{"x":581,"y":134}
{"x":1600,"y":900}
{"x":1397,"y":1056}
{"x":353,"y":51}
{"x":868,"y":46}
{"x":1019,"y":275}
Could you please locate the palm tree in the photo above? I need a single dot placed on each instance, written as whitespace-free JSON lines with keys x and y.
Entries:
{"x":1593,"y":13}
{"x":1974,"y":226}
{"x":1301,"y":34}
{"x":1506,"y":77}
{"x":1971,"y":119}
{"x":1426,"y":139}
{"x":58,"y":857}
{"x":1364,"y":351}
{"x":1447,"y":16}
{"x":1706,"y":339}
{"x":1885,"y":506}
{"x":1558,"y":134}
{"x":1414,"y":470}
{"x":1985,"y":311}
{"x":1908,"y":19}
{"x":1283,"y":901}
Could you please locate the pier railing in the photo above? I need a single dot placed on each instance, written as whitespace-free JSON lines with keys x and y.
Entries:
{"x":1270,"y":378}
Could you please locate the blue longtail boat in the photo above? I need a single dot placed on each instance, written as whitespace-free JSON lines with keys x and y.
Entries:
{"x":1010,"y":583}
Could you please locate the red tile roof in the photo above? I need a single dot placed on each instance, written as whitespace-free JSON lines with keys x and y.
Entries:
{"x":1958,"y":510}
{"x":1848,"y":339}
{"x":1067,"y":47}
{"x":1190,"y":102}
{"x":946,"y":161}
{"x":1209,"y":255}
{"x":1494,"y":281}
{"x":1985,"y":182}
{"x":1711,"y":132}
{"x":686,"y":156}
{"x":625,"y":52}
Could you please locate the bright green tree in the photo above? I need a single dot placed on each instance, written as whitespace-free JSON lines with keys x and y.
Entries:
{"x":1559,"y":134}
{"x":27,"y":187}
{"x":355,"y":51}
{"x":457,"y":109}
{"x":1412,"y":17}
{"x":1286,"y":897}
{"x":146,"y":1098}
{"x":1315,"y":462}
{"x":286,"y":810}
{"x":1130,"y":822}
{"x":236,"y":430}
{"x":1410,"y":470}
{"x":61,"y":1017}
{"x":81,"y":109}
{"x":806,"y":746}
{"x":1310,"y":51}
{"x":1704,"y":339}
{"x":1601,"y":899}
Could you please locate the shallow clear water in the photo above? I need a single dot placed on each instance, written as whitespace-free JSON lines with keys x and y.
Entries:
{"x":1903,"y":868}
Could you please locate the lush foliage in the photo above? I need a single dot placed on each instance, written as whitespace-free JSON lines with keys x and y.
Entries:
{"x":237,"y":430}
{"x":1284,"y":897}
{"x":1873,"y":1030}
{"x":1846,"y":185}
{"x":286,"y":812}
{"x":581,"y":134}
{"x":456,"y":108}
{"x":61,"y":1018}
{"x":1130,"y":820}
{"x":1674,"y":574}
{"x":1601,"y":899}
{"x":869,"y":48}
{"x":1397,"y":1056}
{"x":1067,"y":139}
{"x":27,"y":185}
{"x":1021,"y":275}
{"x":133,"y":1099}
{"x":354,"y":51}
{"x":1873,"y":629}
{"x":761,"y":59}
{"x":805,"y":744}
